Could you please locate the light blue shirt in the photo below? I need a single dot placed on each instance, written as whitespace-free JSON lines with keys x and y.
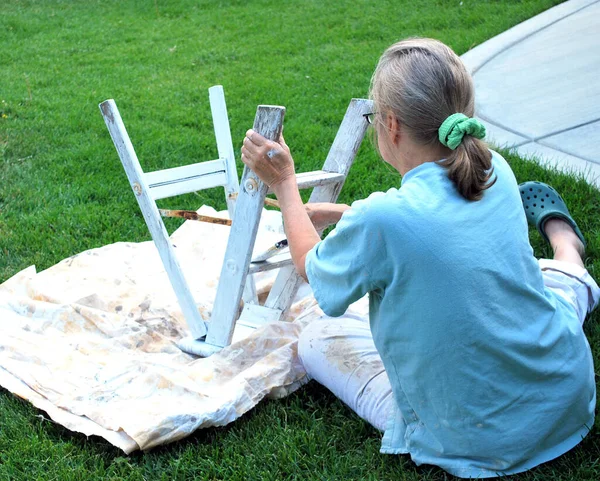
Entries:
{"x":491,"y":371}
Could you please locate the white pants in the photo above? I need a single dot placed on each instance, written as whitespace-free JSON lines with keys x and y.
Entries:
{"x":339,"y":353}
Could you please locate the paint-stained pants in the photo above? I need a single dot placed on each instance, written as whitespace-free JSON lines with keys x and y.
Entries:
{"x":339,"y":353}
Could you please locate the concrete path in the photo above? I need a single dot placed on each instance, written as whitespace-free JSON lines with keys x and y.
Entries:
{"x":538,"y":87}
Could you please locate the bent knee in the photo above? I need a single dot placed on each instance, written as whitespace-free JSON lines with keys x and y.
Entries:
{"x":312,"y":343}
{"x":331,"y":340}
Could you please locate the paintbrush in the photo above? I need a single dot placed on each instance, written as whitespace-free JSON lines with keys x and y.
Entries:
{"x":272,"y":251}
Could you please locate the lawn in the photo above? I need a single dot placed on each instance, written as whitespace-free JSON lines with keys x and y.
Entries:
{"x":63,"y":190}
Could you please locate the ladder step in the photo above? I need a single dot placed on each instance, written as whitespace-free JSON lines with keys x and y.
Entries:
{"x":254,"y":316}
{"x":274,"y":262}
{"x":185,"y":179}
{"x":306,"y":180}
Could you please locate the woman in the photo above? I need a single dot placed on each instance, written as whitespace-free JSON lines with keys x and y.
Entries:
{"x":474,"y":357}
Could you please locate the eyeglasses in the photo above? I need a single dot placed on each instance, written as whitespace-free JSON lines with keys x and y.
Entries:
{"x":370,"y":118}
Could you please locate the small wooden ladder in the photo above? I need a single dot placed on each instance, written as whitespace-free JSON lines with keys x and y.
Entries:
{"x":234,"y":283}
{"x":326,"y":183}
{"x":151,"y":186}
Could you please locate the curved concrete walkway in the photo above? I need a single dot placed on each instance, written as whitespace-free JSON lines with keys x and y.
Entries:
{"x":538,"y":87}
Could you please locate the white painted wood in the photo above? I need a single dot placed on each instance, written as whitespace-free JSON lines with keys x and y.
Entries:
{"x":328,"y":183}
{"x":256,"y":316}
{"x":268,"y":122}
{"x":218,"y":108}
{"x":152,"y":217}
{"x":306,"y":180}
{"x":183,"y":173}
{"x":234,"y":278}
{"x":180,"y":180}
{"x":284,"y":289}
{"x":194,"y":184}
{"x":192,"y":346}
{"x":224,"y":144}
{"x":250,"y":296}
{"x":339,"y":160}
{"x":274,"y":262}
{"x":243,"y":328}
{"x":344,"y":148}
{"x":317,"y":178}
{"x":252,"y":317}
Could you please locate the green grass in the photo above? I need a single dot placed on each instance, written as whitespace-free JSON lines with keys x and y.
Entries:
{"x":63,"y":190}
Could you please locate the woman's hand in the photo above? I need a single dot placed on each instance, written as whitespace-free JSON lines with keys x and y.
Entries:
{"x":270,"y":160}
{"x":273,"y":163}
{"x":324,"y":214}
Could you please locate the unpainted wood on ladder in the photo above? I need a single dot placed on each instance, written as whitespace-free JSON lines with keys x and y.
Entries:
{"x":268,"y":122}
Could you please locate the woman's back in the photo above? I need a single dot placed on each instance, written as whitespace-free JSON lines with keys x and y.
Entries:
{"x":476,"y":354}
{"x":489,"y":369}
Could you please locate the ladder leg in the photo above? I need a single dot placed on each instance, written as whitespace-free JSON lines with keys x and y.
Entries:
{"x":218,"y":108}
{"x":224,"y":144}
{"x":152,"y":217}
{"x":268,"y":122}
{"x":249,"y":295}
{"x":284,"y":289}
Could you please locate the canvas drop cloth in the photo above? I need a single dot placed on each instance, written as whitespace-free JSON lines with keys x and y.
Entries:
{"x":92,"y":341}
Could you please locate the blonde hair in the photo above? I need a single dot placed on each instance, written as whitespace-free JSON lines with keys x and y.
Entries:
{"x":422,"y":82}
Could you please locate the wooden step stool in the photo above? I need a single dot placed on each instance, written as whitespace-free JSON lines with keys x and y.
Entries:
{"x":234,"y":283}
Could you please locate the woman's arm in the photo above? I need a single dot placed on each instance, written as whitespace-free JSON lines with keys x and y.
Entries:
{"x":324,"y":214}
{"x":273,"y":163}
{"x":300,"y":231}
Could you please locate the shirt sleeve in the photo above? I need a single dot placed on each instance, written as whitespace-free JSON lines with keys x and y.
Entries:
{"x":340,"y":269}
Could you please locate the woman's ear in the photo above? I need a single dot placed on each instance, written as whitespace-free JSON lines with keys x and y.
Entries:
{"x":393,"y":128}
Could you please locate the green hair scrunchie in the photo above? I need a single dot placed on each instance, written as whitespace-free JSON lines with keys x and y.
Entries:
{"x":455,"y":127}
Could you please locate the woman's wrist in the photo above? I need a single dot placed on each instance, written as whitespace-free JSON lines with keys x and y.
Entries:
{"x":333,"y":212}
{"x":340,"y":209}
{"x":300,"y":231}
{"x":285,"y":187}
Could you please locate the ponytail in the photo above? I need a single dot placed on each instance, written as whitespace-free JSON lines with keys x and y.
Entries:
{"x":470,"y":163}
{"x":470,"y":168}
